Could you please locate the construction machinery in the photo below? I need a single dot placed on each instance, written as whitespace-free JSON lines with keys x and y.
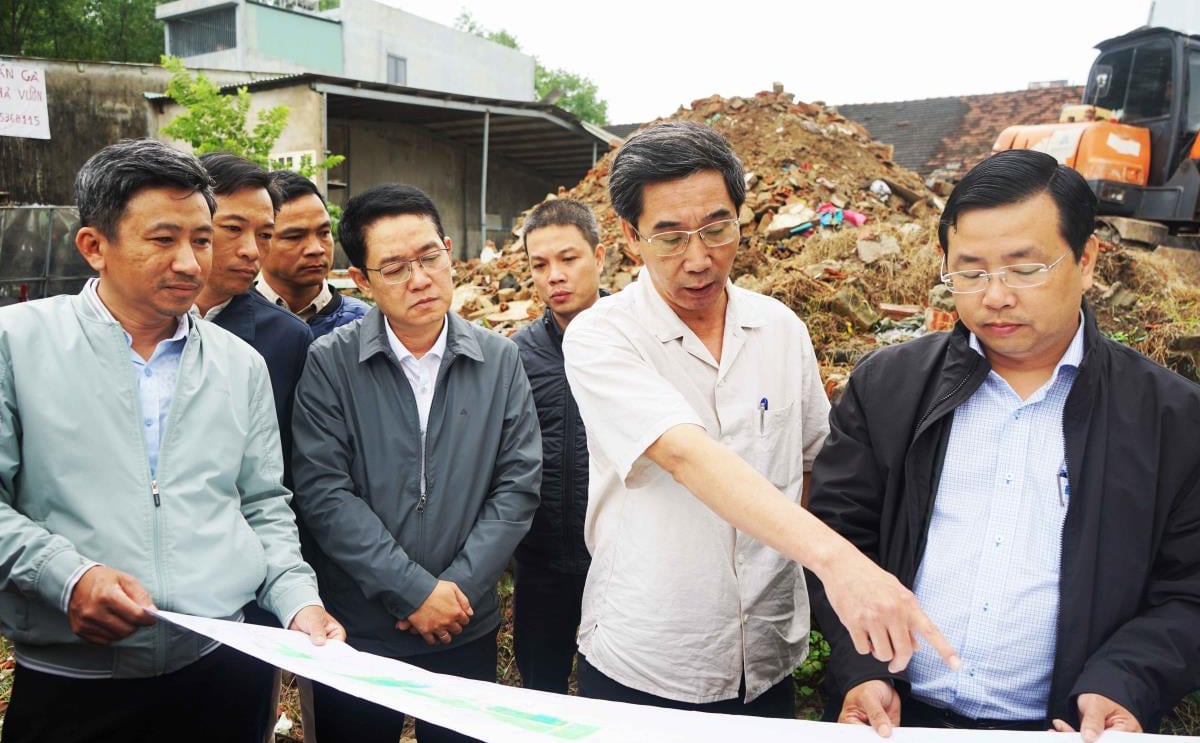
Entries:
{"x":1134,"y":136}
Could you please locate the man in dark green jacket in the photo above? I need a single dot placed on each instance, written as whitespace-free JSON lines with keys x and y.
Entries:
{"x":417,"y":463}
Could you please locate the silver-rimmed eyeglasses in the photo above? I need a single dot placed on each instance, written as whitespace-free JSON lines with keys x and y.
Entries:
{"x":399,"y":272}
{"x":673,"y":242}
{"x":1017,"y":276}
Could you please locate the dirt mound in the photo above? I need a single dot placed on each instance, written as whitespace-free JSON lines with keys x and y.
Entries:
{"x":844,"y":236}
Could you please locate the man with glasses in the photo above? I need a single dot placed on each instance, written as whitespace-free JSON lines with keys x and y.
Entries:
{"x":1034,"y":482}
{"x":704,"y":407}
{"x":417,"y":463}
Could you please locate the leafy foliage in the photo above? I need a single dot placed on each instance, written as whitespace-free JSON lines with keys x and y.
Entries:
{"x":575,"y":93}
{"x":214,"y":122}
{"x":108,"y":30}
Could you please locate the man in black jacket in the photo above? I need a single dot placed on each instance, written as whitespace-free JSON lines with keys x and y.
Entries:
{"x":562,"y":241}
{"x":1034,"y":482}
{"x":247,"y":201}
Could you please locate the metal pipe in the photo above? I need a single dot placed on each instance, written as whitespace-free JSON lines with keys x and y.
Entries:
{"x":487,"y":121}
{"x":594,"y":154}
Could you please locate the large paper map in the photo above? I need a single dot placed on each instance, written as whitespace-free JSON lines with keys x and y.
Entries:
{"x":502,"y":714}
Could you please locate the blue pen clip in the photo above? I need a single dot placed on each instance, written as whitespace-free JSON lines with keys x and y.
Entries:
{"x":762,"y":416}
{"x":1064,"y":486}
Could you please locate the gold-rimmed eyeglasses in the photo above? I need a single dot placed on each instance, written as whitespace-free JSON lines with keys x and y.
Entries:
{"x":673,"y":242}
{"x":399,"y":272}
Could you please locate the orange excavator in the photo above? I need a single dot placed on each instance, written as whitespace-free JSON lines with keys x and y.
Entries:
{"x":1134,"y":136}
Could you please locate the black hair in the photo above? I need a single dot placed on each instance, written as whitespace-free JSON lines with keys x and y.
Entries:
{"x":1014,"y":176}
{"x":368,"y":207}
{"x":231,"y":174}
{"x":292,"y":185}
{"x":666,"y":151}
{"x":562,"y":213}
{"x":111,"y":177}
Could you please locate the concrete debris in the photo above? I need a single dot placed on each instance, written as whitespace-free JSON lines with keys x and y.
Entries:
{"x":806,"y":163}
{"x":870,"y":251}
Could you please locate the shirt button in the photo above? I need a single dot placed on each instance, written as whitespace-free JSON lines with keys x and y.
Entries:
{"x":1017,"y":416}
{"x":1008,"y":479}
{"x":149,"y":373}
{"x":741,"y":559}
{"x":971,"y":672}
{"x":148,"y":422}
{"x":998,"y":541}
{"x":745,"y":618}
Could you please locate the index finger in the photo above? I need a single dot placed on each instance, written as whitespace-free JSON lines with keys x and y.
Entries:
{"x":927,"y":629}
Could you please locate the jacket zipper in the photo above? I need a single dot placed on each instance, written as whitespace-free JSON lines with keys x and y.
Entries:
{"x":568,"y":472}
{"x":961,"y":383}
{"x":154,"y":492}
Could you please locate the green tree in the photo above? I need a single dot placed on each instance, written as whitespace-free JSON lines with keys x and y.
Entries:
{"x":107,"y":30}
{"x":215,"y":122}
{"x":570,"y":91}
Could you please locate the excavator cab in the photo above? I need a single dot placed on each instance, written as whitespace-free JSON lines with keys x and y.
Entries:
{"x":1135,"y":137}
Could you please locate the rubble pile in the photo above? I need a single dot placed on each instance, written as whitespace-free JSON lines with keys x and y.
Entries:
{"x":836,"y":230}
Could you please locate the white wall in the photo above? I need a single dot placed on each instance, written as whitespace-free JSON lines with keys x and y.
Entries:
{"x":439,"y":57}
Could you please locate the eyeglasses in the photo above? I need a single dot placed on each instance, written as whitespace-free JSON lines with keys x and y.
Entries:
{"x":713,"y":235}
{"x":399,"y":272}
{"x":1018,"y":276}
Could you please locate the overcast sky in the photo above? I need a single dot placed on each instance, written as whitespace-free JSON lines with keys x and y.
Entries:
{"x":650,"y":56}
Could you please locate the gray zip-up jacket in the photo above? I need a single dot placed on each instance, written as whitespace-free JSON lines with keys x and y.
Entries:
{"x":382,"y":544}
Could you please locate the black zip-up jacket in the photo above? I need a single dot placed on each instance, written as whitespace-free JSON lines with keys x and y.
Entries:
{"x":555,"y":541}
{"x":1129,"y":617}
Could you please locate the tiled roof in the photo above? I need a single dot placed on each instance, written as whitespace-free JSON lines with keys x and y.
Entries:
{"x":948,"y":136}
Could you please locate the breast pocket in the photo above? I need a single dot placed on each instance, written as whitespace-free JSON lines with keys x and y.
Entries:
{"x":775,"y":431}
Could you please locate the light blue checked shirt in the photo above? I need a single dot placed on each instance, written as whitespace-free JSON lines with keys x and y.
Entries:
{"x":155,"y":376}
{"x":989,"y":577}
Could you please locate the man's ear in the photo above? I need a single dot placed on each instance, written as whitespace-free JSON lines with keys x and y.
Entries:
{"x":92,"y":245}
{"x":360,"y":280}
{"x":600,"y":256}
{"x":631,"y":237}
{"x":1087,"y":261}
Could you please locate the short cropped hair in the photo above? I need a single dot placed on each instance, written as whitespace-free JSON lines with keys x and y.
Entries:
{"x":666,"y":151}
{"x":562,"y":213}
{"x":387,"y":200}
{"x":1014,"y":176}
{"x":114,"y":175}
{"x":231,"y":174}
{"x":292,"y":185}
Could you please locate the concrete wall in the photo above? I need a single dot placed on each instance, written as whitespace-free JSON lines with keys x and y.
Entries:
{"x":90,"y":104}
{"x":447,"y":171}
{"x":439,"y":58}
{"x":305,"y":123}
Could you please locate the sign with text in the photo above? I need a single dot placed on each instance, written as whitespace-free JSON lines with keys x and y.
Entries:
{"x":23,"y":110}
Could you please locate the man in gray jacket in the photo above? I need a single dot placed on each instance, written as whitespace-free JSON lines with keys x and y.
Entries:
{"x":139,"y":466}
{"x":417,"y":463}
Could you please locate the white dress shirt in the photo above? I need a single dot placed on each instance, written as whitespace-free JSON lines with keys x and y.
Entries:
{"x":422,"y":377}
{"x":678,"y":603}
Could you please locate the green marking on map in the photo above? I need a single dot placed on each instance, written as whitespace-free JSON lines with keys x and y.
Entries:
{"x":550,"y":725}
{"x":285,"y":650}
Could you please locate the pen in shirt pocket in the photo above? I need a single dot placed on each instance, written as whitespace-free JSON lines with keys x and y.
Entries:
{"x":762,"y":416}
{"x":1064,"y":485}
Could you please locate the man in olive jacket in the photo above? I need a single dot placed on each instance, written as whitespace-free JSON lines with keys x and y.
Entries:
{"x":417,"y":463}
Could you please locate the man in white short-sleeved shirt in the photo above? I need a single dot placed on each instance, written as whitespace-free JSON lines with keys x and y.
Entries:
{"x":704,"y":409}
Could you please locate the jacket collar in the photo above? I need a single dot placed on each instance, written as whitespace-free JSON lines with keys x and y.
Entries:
{"x":238,"y":317}
{"x":460,"y":341}
{"x":662,"y":321}
{"x":551,"y":325}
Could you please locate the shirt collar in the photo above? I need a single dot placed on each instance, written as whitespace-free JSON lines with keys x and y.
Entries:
{"x":402,"y":352}
{"x":662,"y":321}
{"x":92,"y":296}
{"x":320,"y":302}
{"x":212,"y":311}
{"x":1071,"y":358}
